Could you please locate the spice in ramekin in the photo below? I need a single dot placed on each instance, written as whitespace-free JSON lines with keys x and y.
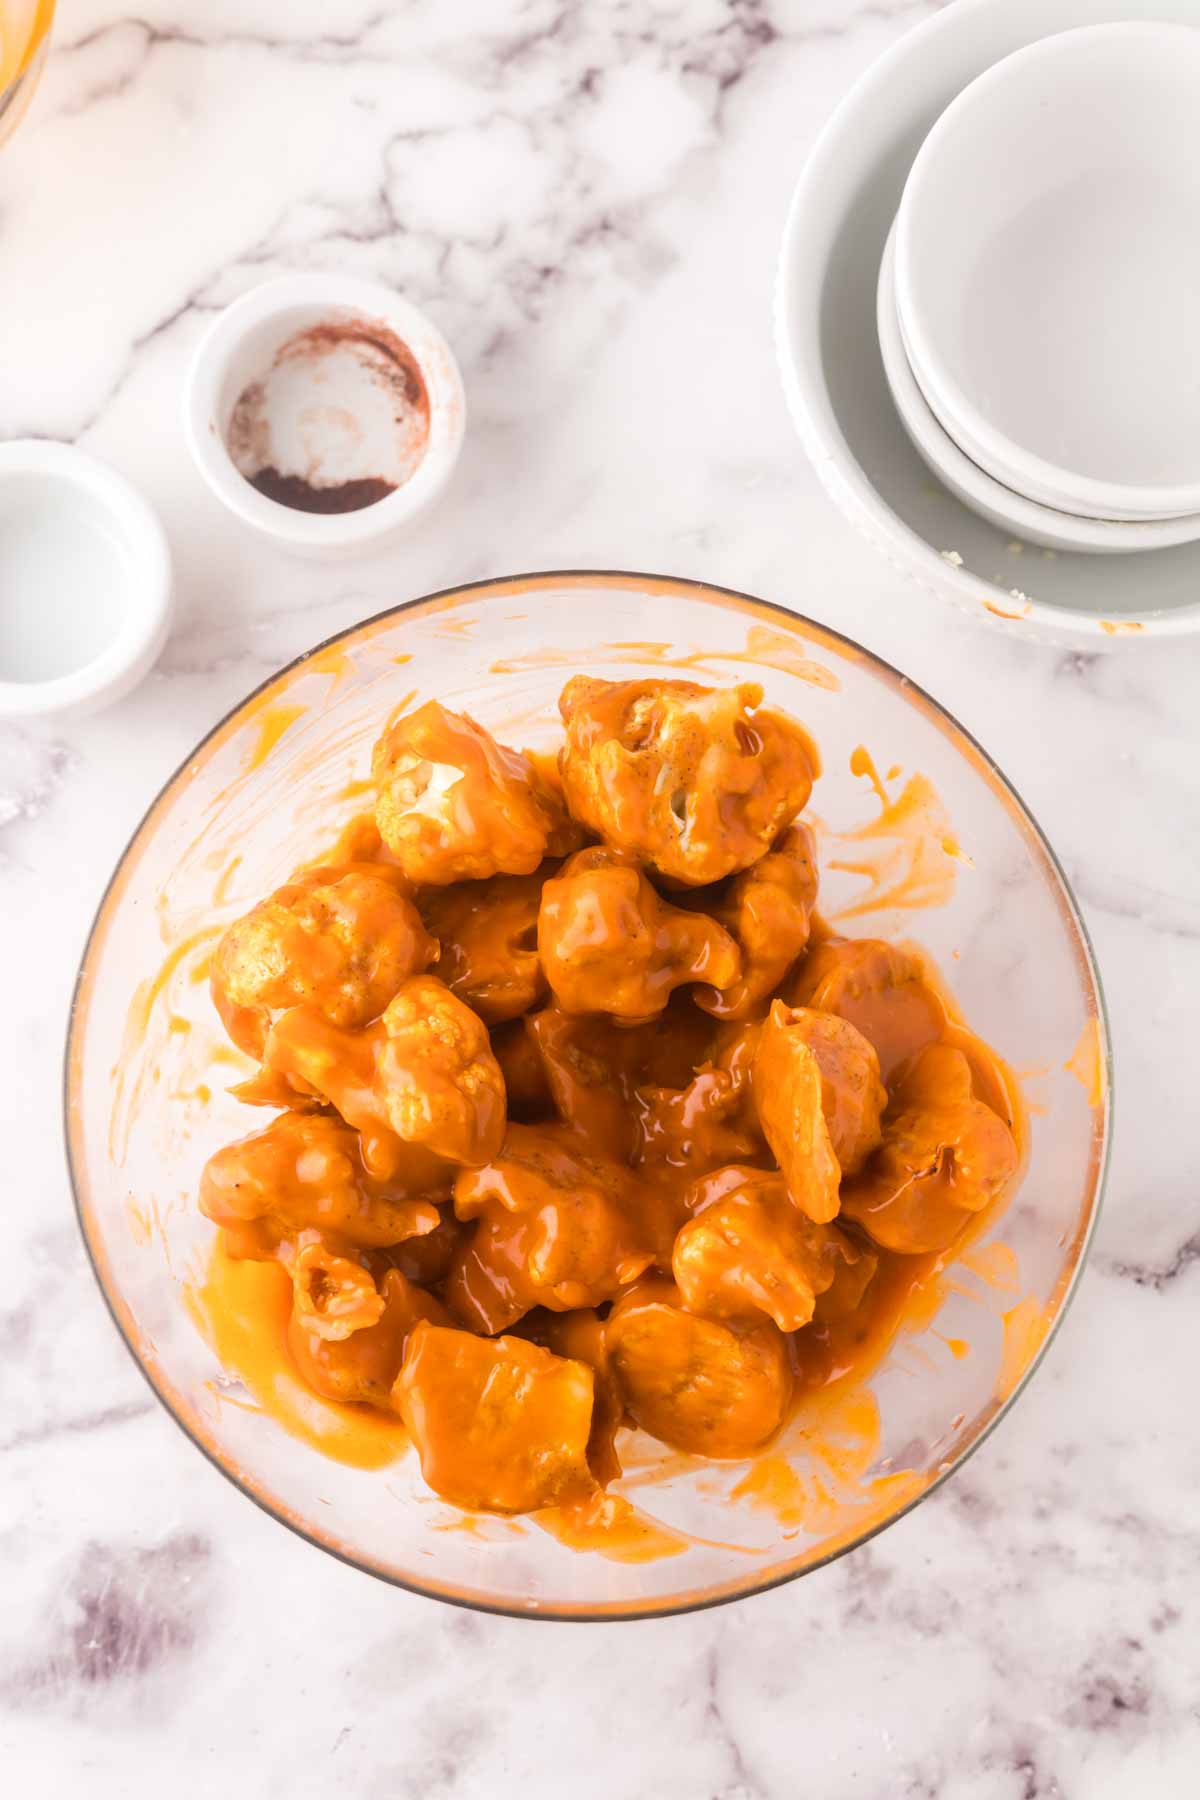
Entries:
{"x":339,"y":420}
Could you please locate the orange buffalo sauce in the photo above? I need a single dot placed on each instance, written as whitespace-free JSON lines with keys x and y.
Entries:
{"x":273,"y":723}
{"x":242,"y":1309}
{"x":632,"y":1137}
{"x":1086,"y":1063}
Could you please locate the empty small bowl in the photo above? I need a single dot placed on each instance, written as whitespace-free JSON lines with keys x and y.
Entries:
{"x":325,"y":412}
{"x":1008,"y":511}
{"x":85,"y":582}
{"x":1048,"y":270}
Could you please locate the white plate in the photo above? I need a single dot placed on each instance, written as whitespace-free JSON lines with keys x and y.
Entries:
{"x":1009,"y":512}
{"x":1048,"y":271}
{"x":833,"y":374}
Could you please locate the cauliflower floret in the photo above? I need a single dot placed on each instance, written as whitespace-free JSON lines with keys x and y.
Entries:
{"x":750,"y":1249}
{"x":557,"y":1228}
{"x":767,"y":910}
{"x":692,"y":780}
{"x":712,"y":1387}
{"x":787,"y":1085}
{"x":488,"y":934}
{"x":589,"y":1065}
{"x":341,"y":939}
{"x":697,"y":1127}
{"x":422,"y":1076}
{"x":500,"y":1425}
{"x":443,"y":1085}
{"x":852,"y":1095}
{"x":361,"y":1369}
{"x":609,"y":944}
{"x":879,"y":989}
{"x":710,"y":1121}
{"x":333,"y":1295}
{"x":945,"y":1155}
{"x":580,"y":1336}
{"x":308,"y":1172}
{"x":427,"y":1260}
{"x":454,"y":805}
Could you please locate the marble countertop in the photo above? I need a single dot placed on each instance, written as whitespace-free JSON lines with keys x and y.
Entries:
{"x":588,"y":199}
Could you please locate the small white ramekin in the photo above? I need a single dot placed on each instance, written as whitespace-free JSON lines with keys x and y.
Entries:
{"x":1048,"y":273}
{"x":240,"y":347}
{"x":1009,"y":511}
{"x":85,"y":582}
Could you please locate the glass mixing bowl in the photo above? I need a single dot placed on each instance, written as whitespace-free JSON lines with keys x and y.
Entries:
{"x":939,"y":848}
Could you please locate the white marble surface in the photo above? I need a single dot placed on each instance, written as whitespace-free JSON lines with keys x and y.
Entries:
{"x":588,"y":200}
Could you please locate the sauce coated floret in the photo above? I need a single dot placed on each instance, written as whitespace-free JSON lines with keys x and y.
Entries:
{"x":454,"y":805}
{"x":422,"y":1078}
{"x":360,"y":1368}
{"x":487,"y":931}
{"x":767,"y":910}
{"x":789,"y":1097}
{"x":696,"y":782}
{"x":945,"y":1155}
{"x":341,"y":940}
{"x":586,"y":1121}
{"x":558,"y":1227}
{"x":580,"y":1335}
{"x":751,"y":1250}
{"x":879,"y":988}
{"x":499,"y":1424}
{"x":610,"y":944}
{"x":852,"y":1095}
{"x":712,"y":1120}
{"x":307,"y":1172}
{"x":333,"y":1291}
{"x":592,"y":1066}
{"x":715,"y":1387}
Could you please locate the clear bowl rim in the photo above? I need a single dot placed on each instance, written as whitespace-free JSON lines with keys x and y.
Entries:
{"x":32,"y":61}
{"x":731,"y":599}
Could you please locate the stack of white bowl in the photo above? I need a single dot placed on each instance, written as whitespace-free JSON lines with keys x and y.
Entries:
{"x":1039,"y":296}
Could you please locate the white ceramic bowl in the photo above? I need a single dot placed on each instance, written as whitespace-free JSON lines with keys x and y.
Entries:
{"x":1021,"y":518}
{"x":85,"y":582}
{"x":1048,"y":270}
{"x":239,"y":350}
{"x":843,"y":208}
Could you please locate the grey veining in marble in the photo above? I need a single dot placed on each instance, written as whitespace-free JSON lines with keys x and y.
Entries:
{"x":588,"y":198}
